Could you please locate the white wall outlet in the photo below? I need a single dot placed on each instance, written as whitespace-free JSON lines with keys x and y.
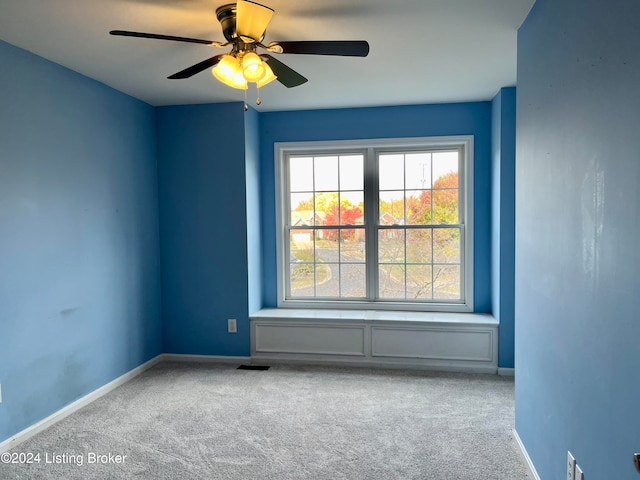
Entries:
{"x":578,"y":474}
{"x":571,"y":467}
{"x":232,"y":326}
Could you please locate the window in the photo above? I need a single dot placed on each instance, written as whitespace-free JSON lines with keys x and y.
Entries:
{"x":376,"y":224}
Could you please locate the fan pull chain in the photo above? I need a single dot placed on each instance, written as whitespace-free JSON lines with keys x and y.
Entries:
{"x":246,"y":107}
{"x":258,"y":101}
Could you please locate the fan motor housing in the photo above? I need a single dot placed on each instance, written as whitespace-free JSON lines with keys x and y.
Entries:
{"x":226,"y":15}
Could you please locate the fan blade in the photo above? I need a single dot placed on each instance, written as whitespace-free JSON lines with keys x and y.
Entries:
{"x":343,"y":48}
{"x":286,"y":75}
{"x":197,"y":68}
{"x":124,"y":33}
{"x":252,"y":20}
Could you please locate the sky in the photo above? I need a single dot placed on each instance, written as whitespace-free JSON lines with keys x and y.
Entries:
{"x":398,"y":172}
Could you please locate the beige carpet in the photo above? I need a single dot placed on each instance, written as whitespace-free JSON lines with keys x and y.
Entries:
{"x":212,"y":421}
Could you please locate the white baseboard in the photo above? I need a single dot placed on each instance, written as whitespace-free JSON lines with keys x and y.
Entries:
{"x":506,"y":372}
{"x":178,"y":357}
{"x":525,"y":456}
{"x":64,"y":412}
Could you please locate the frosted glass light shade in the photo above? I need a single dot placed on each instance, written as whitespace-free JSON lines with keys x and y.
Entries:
{"x":229,"y":72}
{"x":253,"y":67}
{"x":268,"y":76}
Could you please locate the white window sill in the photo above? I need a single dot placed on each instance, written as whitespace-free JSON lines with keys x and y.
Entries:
{"x":375,"y":317}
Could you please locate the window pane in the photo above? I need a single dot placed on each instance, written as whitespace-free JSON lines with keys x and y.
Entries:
{"x":391,"y":207}
{"x":351,"y":172}
{"x":446,"y":245}
{"x":353,"y":281}
{"x":445,"y":206}
{"x":301,"y":174}
{"x":445,"y":164}
{"x":327,"y":208}
{"x":352,"y":208}
{"x":326,"y":173}
{"x":419,"y":282}
{"x":419,"y":246}
{"x":391,"y":173}
{"x":419,"y":207}
{"x":301,"y":247}
{"x":446,"y":284}
{"x":352,"y":245}
{"x":301,"y":209}
{"x":302,"y":279}
{"x":390,"y":246}
{"x":328,"y":280}
{"x":327,"y":246}
{"x":391,"y":281}
{"x":418,"y":171}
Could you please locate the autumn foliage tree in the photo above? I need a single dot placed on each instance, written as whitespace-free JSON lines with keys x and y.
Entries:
{"x":347,"y":215}
{"x":439,"y":205}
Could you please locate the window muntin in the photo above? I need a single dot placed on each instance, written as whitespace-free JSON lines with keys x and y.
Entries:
{"x":375,"y":226}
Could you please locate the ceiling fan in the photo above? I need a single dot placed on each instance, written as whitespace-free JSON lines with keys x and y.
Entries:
{"x":243,"y":25}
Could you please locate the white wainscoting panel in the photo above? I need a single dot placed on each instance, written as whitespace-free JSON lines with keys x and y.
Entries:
{"x":443,"y":341}
{"x":323,"y":339}
{"x":437,"y":343}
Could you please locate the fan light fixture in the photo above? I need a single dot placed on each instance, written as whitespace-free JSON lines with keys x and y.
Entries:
{"x":244,"y":24}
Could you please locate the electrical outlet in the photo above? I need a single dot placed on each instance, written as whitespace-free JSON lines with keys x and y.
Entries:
{"x":232,"y":325}
{"x":578,"y":473}
{"x":571,"y":467}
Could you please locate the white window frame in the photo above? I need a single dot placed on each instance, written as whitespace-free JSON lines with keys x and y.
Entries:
{"x":371,"y":147}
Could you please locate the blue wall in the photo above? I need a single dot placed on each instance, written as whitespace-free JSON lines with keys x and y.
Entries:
{"x":79,"y":256}
{"x":503,"y":166}
{"x":203,"y":228}
{"x":383,"y":122}
{"x":577,"y":255}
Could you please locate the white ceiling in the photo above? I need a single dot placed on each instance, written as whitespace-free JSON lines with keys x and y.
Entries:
{"x":422,"y":51}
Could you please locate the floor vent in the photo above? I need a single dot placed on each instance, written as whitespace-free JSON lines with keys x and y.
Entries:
{"x":253,"y":367}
